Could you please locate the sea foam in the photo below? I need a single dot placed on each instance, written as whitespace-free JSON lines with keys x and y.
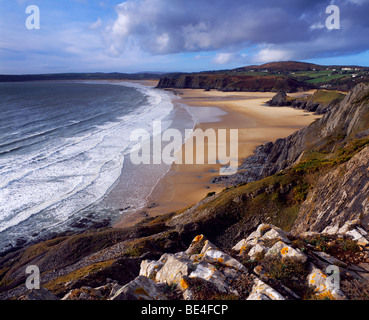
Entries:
{"x":42,"y":188}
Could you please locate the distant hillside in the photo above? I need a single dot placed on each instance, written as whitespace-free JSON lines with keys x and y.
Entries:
{"x":285,"y":66}
{"x":288,"y":76}
{"x":291,"y":66}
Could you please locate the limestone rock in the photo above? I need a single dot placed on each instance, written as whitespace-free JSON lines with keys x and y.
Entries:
{"x":240,"y":245}
{"x":208,"y":272}
{"x":174,"y":269}
{"x":258,"y":296}
{"x":262,"y":234}
{"x":196,"y":245}
{"x":283,"y":250}
{"x":141,"y":288}
{"x":349,"y":225}
{"x":262,"y":288}
{"x":358,"y":236}
{"x":150,"y":268}
{"x":256,"y":250}
{"x":317,"y":279}
{"x":216,"y":256}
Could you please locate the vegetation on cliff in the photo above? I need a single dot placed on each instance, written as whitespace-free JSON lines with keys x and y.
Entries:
{"x":288,"y":76}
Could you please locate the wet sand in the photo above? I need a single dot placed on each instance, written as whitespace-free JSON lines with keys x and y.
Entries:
{"x":186,"y":184}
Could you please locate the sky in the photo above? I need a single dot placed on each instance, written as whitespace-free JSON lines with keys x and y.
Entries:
{"x":179,"y":35}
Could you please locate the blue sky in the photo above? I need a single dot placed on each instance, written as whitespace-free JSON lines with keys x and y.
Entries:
{"x":178,"y":35}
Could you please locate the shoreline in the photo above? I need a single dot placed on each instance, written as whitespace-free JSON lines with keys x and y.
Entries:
{"x":184,"y":185}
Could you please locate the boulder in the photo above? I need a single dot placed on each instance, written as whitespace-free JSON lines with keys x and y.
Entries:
{"x":174,"y":269}
{"x":240,"y":246}
{"x":276,"y":234}
{"x":208,"y":272}
{"x":283,"y":250}
{"x":280,"y":99}
{"x":261,"y":288}
{"x":262,"y":234}
{"x":141,"y":288}
{"x":216,"y":256}
{"x":257,"y":296}
{"x":322,"y":286}
{"x":196,"y":245}
{"x":359,"y":235}
{"x":317,"y":279}
{"x":40,"y":294}
{"x":150,"y":268}
{"x":257,"y":250}
{"x":349,"y":225}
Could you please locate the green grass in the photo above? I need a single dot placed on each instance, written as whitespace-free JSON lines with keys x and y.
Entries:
{"x":57,"y":284}
{"x":325,"y":97}
{"x":325,"y":79}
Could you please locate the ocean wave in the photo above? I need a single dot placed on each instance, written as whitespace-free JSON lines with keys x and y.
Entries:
{"x":45,"y":187}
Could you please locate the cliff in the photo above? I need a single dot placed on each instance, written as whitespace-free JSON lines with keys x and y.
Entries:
{"x":234,"y":243}
{"x":223,"y":82}
{"x":320,"y":102}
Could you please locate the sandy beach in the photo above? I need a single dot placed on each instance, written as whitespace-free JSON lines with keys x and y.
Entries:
{"x":186,"y":184}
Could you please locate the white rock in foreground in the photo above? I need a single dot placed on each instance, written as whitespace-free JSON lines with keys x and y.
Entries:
{"x":141,"y":288}
{"x":283,"y":250}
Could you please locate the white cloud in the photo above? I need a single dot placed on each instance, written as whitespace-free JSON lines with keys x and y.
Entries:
{"x":223,"y":58}
{"x":273,"y":54}
{"x":97,"y":24}
{"x":317,"y":25}
{"x":357,"y":2}
{"x":167,"y":26}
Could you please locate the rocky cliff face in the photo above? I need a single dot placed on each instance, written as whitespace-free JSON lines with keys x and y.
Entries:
{"x":232,"y":82}
{"x":338,"y":196}
{"x":320,"y":102}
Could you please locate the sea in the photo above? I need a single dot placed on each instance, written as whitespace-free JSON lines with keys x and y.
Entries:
{"x":64,"y":154}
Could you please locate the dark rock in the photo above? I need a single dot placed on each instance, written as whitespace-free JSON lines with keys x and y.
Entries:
{"x":40,"y":294}
{"x":279,"y":100}
{"x":20,"y":242}
{"x":101,"y":224}
{"x":152,"y":205}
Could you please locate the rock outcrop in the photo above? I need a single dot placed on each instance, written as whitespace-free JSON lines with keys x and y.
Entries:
{"x":338,"y":196}
{"x":223,"y":82}
{"x":270,"y":264}
{"x":320,"y":102}
{"x":279,"y":100}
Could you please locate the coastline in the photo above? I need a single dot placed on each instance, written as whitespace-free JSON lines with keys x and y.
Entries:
{"x":184,"y":185}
